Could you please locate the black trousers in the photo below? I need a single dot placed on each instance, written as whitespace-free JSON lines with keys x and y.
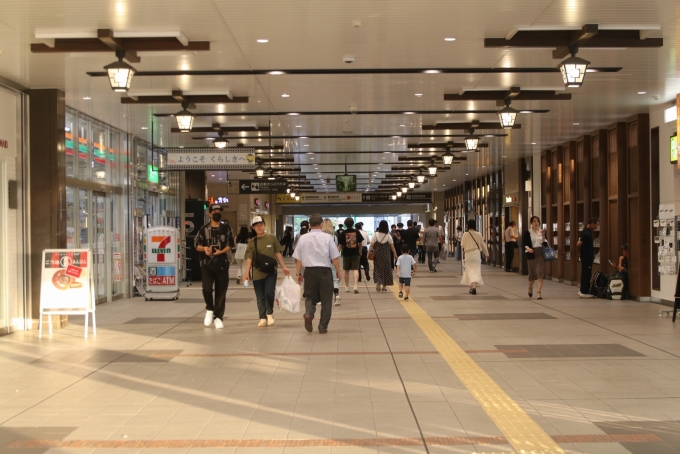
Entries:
{"x":509,"y":254}
{"x":363,"y":263}
{"x":586,"y":274}
{"x":432,"y":256}
{"x":319,"y":288}
{"x":221,"y":281}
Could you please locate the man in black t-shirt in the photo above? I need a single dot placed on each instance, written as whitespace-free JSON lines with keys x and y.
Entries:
{"x":215,"y":240}
{"x":349,"y":243}
{"x":410,"y":237}
{"x":587,"y":254}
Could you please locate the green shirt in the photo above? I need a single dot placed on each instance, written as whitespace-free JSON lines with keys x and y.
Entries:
{"x":267,"y":245}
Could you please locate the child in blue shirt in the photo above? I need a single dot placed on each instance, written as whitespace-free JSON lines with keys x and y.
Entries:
{"x":404,"y":264}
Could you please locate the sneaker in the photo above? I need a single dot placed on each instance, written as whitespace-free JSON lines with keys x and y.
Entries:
{"x":406,"y":299}
{"x":319,"y":303}
{"x":346,"y":289}
{"x":270,"y":319}
{"x":431,"y":271}
{"x":262,"y":323}
{"x":208,"y":320}
{"x":356,"y":290}
{"x":584,"y":295}
{"x":434,"y":268}
{"x":337,"y":300}
{"x":401,"y":294}
{"x":219,"y":324}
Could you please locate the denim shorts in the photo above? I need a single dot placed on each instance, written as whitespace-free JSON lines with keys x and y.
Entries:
{"x":405,"y":280}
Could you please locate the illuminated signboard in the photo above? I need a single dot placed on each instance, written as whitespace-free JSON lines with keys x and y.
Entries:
{"x":152,"y":173}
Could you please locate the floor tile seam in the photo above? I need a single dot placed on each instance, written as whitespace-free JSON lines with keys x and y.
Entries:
{"x":475,"y":375}
{"x":637,"y":437}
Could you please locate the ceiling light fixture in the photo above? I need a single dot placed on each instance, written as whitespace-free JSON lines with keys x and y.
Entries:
{"x":285,"y":95}
{"x":287,"y":190}
{"x":262,"y":41}
{"x":471,"y":141}
{"x":259,"y":171}
{"x":404,"y":188}
{"x":419,"y":94}
{"x":432,"y":168}
{"x":507,"y":116}
{"x":185,"y":119}
{"x":398,"y":193}
{"x":449,"y":39}
{"x":120,"y":73}
{"x":297,"y":198}
{"x":448,"y":157}
{"x":420,"y":177}
{"x":394,"y":197}
{"x":86,"y":98}
{"x":573,"y":70}
{"x":292,"y":193}
{"x":642,"y":92}
{"x":533,"y":143}
{"x":412,"y":182}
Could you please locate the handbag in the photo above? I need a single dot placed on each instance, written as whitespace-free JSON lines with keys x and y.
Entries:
{"x":264,"y":263}
{"x":241,"y":251}
{"x":549,"y":253}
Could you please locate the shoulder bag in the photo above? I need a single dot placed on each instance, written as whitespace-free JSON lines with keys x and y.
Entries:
{"x":549,"y":253}
{"x":264,"y":263}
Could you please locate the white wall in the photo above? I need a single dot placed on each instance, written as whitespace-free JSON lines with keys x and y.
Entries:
{"x":11,"y":250}
{"x":669,"y":188}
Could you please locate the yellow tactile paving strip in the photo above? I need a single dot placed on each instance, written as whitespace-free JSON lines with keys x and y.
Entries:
{"x":519,"y":429}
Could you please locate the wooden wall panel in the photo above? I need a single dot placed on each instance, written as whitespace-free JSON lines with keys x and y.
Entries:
{"x":656,"y":200}
{"x":601,"y":180}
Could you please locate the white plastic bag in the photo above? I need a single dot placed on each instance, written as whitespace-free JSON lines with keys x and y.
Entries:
{"x":288,"y":295}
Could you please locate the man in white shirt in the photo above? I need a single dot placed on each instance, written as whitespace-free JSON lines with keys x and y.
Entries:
{"x":364,"y":252}
{"x":316,"y":251}
{"x":510,"y":245}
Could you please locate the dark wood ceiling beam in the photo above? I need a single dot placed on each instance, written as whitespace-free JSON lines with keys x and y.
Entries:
{"x":231,"y":129}
{"x":578,"y":38}
{"x":192,"y":99}
{"x":496,"y":95}
{"x":443,"y":145}
{"x":64,"y":45}
{"x":589,"y":36}
{"x":464,"y":126}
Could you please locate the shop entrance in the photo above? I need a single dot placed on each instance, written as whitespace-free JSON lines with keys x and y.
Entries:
{"x":93,"y":222}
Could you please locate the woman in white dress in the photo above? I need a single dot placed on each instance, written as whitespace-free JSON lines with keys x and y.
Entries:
{"x":473,"y":246}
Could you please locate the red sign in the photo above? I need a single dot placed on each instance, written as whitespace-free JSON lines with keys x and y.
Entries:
{"x":161,"y":280}
{"x":4,"y":144}
{"x":73,"y":271}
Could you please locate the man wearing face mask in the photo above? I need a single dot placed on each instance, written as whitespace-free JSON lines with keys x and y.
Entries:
{"x":214,"y":240}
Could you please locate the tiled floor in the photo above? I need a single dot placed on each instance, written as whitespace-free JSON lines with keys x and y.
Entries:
{"x":447,"y":372}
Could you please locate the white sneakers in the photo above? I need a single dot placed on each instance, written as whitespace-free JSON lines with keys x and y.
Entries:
{"x":270,"y":319}
{"x":262,"y":323}
{"x":584,"y":295}
{"x":209,"y":319}
{"x":337,"y":300}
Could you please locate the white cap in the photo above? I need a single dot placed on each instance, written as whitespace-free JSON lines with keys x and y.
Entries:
{"x":256,"y":220}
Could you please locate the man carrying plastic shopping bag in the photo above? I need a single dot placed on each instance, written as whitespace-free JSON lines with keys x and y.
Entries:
{"x":288,"y":295}
{"x":316,"y":251}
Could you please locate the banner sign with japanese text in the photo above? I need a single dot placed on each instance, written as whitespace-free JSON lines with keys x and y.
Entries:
{"x":233,"y":158}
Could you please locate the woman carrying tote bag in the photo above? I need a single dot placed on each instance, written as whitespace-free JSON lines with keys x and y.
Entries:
{"x":382,"y":246}
{"x":473,"y":245}
{"x":533,"y":240}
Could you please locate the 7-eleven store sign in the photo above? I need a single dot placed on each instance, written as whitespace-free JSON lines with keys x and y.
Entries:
{"x":162,"y":248}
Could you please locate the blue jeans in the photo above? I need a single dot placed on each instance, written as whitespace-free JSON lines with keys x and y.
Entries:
{"x":264,"y":292}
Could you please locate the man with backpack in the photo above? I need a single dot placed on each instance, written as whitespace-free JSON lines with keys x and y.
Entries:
{"x":349,"y":243}
{"x":215,"y":241}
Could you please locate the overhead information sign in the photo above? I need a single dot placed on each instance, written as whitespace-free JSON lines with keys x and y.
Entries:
{"x":406,"y":198}
{"x":234,"y":158}
{"x":261,"y":186}
{"x":318,"y":198}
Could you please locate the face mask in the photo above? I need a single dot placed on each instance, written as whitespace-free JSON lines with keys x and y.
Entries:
{"x":217,"y":217}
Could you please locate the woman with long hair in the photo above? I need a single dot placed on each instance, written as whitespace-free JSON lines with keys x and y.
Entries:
{"x":327,"y":227}
{"x":241,"y":239}
{"x":382,"y":245}
{"x":533,"y":240}
{"x":473,"y":246}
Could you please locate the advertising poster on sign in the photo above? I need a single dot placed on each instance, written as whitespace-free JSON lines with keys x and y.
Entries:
{"x":117,"y":267}
{"x":66,"y":280}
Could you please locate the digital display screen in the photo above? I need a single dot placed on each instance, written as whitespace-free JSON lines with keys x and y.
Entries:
{"x":346,"y":183}
{"x":674,"y":149}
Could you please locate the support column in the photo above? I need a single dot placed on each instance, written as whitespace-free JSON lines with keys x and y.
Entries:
{"x":47,"y":189}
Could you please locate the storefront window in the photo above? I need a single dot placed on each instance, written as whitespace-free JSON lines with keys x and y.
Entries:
{"x":70,"y":145}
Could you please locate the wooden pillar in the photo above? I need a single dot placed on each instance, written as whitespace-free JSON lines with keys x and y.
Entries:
{"x":600,"y":146}
{"x":47,"y":189}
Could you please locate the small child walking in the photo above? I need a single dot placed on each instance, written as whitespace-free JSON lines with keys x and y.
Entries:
{"x":405,"y":263}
